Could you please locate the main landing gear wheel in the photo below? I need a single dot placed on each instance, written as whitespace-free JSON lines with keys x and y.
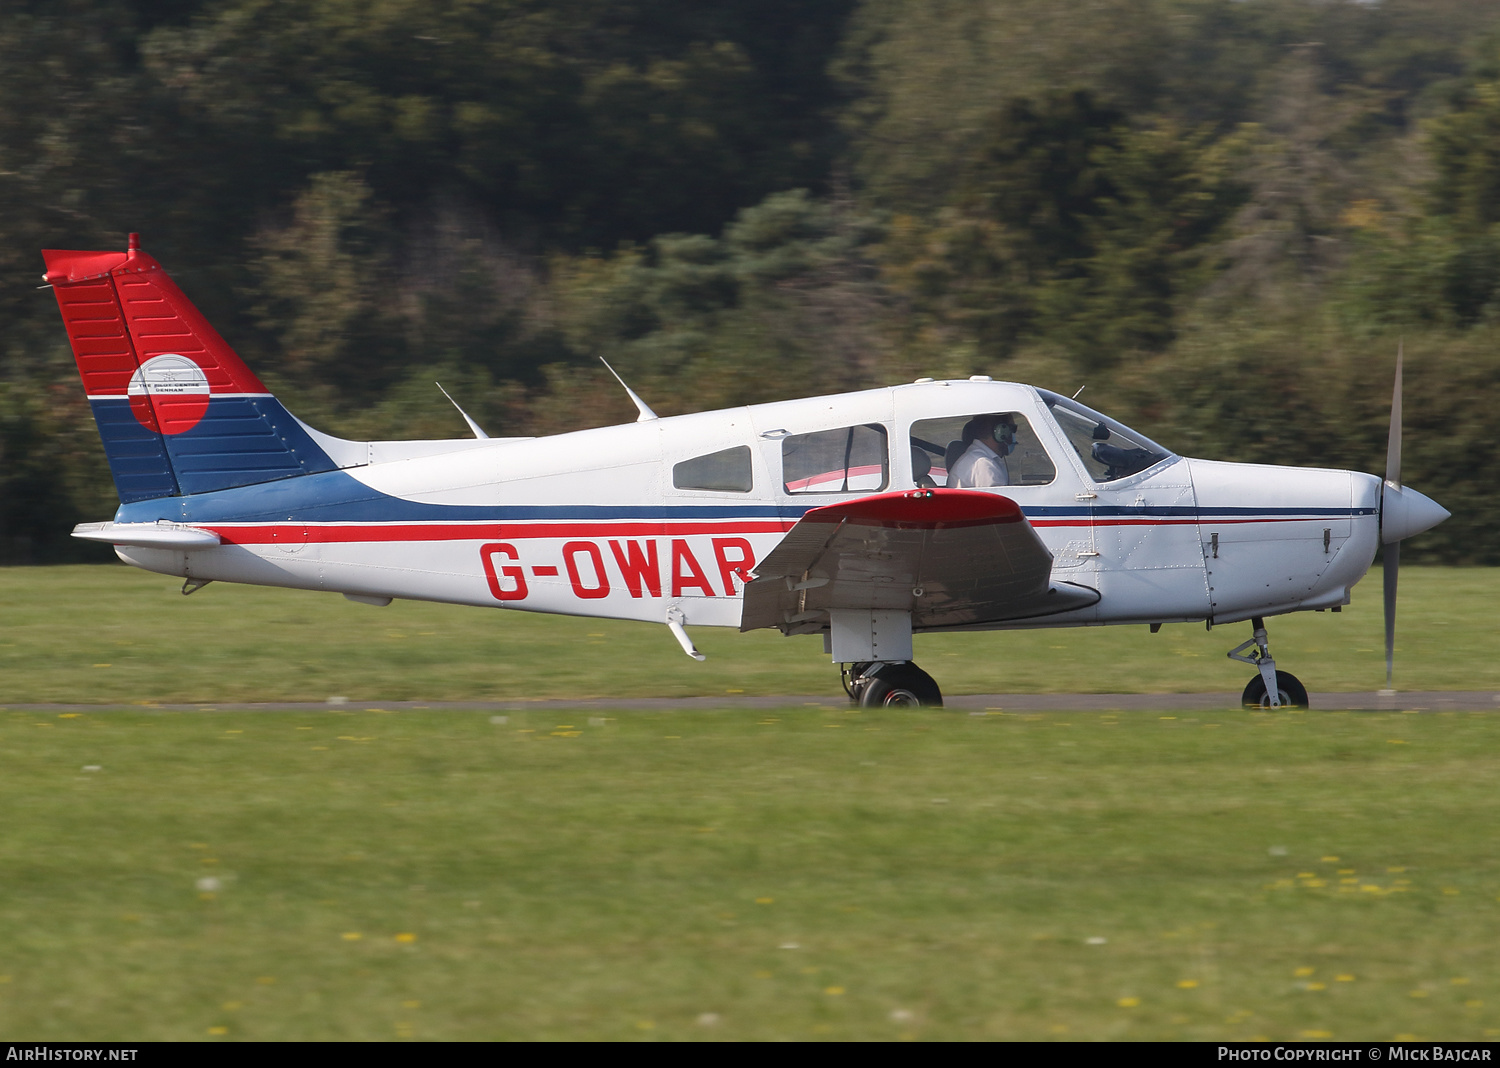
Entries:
{"x":897,"y":686}
{"x":1291,"y":693}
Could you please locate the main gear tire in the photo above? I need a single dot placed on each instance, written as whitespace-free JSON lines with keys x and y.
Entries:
{"x":900,"y":686}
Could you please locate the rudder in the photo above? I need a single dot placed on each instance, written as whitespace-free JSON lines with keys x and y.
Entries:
{"x":177,"y":409}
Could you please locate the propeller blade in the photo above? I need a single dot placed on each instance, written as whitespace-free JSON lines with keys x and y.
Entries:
{"x":1393,"y":445}
{"x":1392,"y":570}
{"x":1392,"y":566}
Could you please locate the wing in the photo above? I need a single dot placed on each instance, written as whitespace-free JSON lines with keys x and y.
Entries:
{"x":950,"y":557}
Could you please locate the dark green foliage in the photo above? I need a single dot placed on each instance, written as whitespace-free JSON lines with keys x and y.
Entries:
{"x":1221,"y":214}
{"x":1039,"y":172}
{"x":567,"y":119}
{"x":52,"y":475}
{"x":786,"y":302}
{"x":1072,"y":227}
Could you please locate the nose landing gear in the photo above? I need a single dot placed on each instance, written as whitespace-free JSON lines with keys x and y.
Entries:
{"x":891,"y":685}
{"x":1270,"y":688}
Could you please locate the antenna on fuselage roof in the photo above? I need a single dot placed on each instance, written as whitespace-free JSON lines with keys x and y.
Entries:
{"x":1080,"y":390}
{"x":646,"y":413}
{"x":478,"y":433}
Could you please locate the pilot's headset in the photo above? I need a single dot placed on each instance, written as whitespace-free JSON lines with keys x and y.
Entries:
{"x":1005,"y":433}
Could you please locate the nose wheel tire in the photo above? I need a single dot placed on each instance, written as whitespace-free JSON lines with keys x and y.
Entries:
{"x":1292,"y":693}
{"x":899,"y":686}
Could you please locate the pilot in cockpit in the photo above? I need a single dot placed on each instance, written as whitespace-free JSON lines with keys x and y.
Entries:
{"x":987,"y":441}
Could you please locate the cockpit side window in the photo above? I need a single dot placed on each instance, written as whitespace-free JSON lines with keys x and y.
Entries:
{"x":852,"y":459}
{"x":941,"y":442}
{"x":727,"y":471}
{"x":1109,"y":450}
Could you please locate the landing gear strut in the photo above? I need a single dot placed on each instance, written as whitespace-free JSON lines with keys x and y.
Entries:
{"x":1270,"y":688}
{"x":891,"y":685}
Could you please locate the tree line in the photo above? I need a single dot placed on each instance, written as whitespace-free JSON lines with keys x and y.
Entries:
{"x":1220,"y":216}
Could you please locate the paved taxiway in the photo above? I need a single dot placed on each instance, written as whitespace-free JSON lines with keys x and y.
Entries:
{"x":1415,"y":701}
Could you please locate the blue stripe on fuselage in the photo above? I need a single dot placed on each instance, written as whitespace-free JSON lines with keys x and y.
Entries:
{"x":336,"y":497}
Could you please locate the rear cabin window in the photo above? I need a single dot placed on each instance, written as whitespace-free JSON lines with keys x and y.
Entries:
{"x":727,"y":471}
{"x":852,"y":459}
{"x":938,"y":444}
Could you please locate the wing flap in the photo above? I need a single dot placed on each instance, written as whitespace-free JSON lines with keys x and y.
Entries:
{"x":953,"y":558}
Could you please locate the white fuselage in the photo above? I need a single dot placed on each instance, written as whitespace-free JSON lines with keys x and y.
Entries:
{"x":594,"y":523}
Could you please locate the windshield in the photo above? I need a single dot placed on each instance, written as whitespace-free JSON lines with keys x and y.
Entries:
{"x":1109,"y":450}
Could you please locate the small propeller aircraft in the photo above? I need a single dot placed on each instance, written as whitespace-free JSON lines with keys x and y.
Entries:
{"x":864,"y":517}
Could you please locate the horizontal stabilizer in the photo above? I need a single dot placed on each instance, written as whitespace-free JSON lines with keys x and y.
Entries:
{"x":950,"y":557}
{"x":148,"y":535}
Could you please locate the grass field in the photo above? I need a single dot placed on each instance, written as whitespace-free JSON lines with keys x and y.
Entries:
{"x":739,"y":875}
{"x":802,"y":874}
{"x":110,"y":634}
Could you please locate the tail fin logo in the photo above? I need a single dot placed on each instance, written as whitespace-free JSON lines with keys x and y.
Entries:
{"x":168,"y":394}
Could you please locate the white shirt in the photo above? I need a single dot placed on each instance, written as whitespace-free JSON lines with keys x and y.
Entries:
{"x":978,"y":467}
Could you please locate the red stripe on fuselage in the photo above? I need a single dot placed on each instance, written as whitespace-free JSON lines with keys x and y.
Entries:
{"x":275,"y":533}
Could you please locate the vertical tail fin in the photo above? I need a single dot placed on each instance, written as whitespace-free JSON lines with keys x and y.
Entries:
{"x":179,"y":412}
